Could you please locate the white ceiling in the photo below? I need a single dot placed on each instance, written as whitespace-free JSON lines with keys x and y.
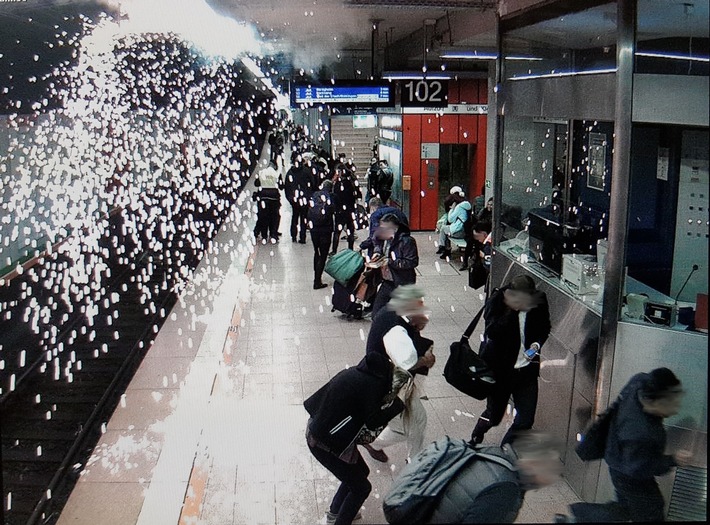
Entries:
{"x":318,"y":31}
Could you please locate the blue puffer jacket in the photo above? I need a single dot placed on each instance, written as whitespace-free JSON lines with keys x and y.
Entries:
{"x":457,"y":217}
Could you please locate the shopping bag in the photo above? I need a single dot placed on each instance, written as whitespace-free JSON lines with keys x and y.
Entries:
{"x":343,"y":265}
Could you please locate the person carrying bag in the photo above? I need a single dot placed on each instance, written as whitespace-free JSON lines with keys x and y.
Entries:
{"x":465,"y":370}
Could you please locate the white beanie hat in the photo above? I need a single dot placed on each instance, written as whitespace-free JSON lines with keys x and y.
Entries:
{"x":457,"y":189}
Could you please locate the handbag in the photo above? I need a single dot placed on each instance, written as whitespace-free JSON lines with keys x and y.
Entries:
{"x":593,"y":443}
{"x":465,"y":370}
{"x":477,"y":273}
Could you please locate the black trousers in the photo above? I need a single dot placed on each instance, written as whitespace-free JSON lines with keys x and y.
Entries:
{"x":384,"y":294}
{"x":299,"y":222}
{"x":521,"y":384}
{"x":321,"y":247}
{"x":344,"y":223}
{"x":637,"y":500}
{"x":384,"y":195}
{"x":354,"y":485}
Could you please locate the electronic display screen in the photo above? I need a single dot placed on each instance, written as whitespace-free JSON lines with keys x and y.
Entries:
{"x":344,"y":94}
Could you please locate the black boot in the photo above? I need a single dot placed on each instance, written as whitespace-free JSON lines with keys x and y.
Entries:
{"x":446,"y":253}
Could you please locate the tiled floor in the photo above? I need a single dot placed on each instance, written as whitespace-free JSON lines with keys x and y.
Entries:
{"x":211,"y":430}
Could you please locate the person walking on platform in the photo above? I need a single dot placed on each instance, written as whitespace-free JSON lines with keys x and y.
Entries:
{"x":268,"y":197}
{"x":517,"y":324}
{"x":395,"y":333}
{"x":635,"y":451}
{"x":299,"y":187}
{"x":399,"y":256}
{"x":321,"y":219}
{"x":382,"y":185}
{"x":355,"y":401}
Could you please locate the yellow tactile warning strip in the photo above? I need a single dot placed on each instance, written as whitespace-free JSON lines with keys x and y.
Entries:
{"x":197,"y":483}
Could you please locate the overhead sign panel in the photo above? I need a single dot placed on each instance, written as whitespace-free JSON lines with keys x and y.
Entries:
{"x":343,"y":94}
{"x":425,"y":93}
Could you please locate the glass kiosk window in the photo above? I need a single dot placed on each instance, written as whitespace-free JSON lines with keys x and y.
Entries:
{"x":555,"y":193}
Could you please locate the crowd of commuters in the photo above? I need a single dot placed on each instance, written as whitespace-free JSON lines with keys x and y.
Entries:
{"x":378,"y":402}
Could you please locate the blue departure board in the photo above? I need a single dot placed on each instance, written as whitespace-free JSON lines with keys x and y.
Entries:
{"x":342,"y":94}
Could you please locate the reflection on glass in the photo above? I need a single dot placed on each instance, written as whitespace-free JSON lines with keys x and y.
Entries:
{"x":576,"y":43}
{"x":555,"y":201}
{"x":672,"y":38}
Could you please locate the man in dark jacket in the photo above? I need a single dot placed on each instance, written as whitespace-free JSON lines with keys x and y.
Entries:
{"x":400,"y":256}
{"x":484,"y":491}
{"x":346,"y":194}
{"x":354,"y":399}
{"x":299,"y":187}
{"x":384,"y":181}
{"x":517,"y":325}
{"x":635,"y":450}
{"x":321,"y":219}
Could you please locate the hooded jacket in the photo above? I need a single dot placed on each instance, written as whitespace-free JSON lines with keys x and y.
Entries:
{"x":353,"y":398}
{"x":403,"y":256}
{"x":457,"y":218}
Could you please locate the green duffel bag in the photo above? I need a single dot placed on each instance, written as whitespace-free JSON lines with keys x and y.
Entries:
{"x":344,"y":265}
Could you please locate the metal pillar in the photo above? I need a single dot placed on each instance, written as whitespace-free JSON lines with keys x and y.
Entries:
{"x":619,"y":204}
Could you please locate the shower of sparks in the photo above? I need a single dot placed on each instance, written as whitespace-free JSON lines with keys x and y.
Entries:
{"x":150,"y":121}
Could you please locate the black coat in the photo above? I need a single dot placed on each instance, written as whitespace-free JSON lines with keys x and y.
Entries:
{"x":353,"y":398}
{"x":502,"y":333}
{"x":636,"y":442}
{"x":299,"y":185}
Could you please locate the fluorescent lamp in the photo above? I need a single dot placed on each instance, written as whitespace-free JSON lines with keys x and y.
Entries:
{"x":411,"y":75}
{"x":475,"y":55}
{"x":468,"y":55}
{"x":565,"y":74}
{"x":671,"y":56}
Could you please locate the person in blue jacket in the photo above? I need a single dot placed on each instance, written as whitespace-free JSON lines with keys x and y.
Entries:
{"x":635,"y":451}
{"x":455,"y":227}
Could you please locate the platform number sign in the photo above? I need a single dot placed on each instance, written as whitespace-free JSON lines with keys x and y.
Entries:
{"x":425,"y":93}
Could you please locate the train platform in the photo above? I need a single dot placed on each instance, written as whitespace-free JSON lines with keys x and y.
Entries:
{"x":211,"y":429}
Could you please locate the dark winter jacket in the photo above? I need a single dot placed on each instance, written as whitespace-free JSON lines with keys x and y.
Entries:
{"x":481,"y":492}
{"x":371,"y":242}
{"x":353,"y":398}
{"x":502,"y":333}
{"x":403,"y":257}
{"x":299,"y":185}
{"x":384,"y":180}
{"x":636,"y":442}
{"x":346,"y":193}
{"x":323,"y":202}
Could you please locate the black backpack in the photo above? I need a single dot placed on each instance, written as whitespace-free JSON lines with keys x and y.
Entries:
{"x":321,"y":210}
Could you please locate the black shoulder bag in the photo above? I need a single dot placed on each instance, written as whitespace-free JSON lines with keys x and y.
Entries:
{"x":465,"y":370}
